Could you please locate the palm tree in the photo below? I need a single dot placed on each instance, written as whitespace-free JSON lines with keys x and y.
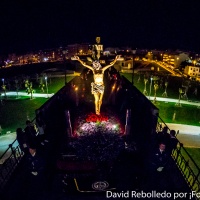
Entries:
{"x":184,"y":96}
{"x":29,"y":88}
{"x":41,"y":85}
{"x":145,"y":84}
{"x":186,"y":85}
{"x":17,"y":86}
{"x":180,"y":93}
{"x":155,"y":89}
{"x":165,"y":92}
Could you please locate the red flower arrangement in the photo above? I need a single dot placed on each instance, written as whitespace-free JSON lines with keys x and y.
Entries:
{"x":96,"y":118}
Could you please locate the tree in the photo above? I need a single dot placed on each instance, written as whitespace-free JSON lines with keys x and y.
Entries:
{"x":4,"y":90}
{"x":29,"y":88}
{"x":145,"y":88}
{"x":165,"y":92}
{"x":156,"y":86}
{"x":180,"y":90}
{"x":17,"y":86}
{"x":41,"y":85}
{"x":186,"y":84}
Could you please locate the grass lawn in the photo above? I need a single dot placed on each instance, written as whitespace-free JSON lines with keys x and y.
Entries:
{"x":186,"y":114}
{"x":15,"y":112}
{"x":57,"y":83}
{"x":174,"y":83}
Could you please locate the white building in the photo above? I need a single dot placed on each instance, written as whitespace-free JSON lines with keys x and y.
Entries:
{"x":175,"y":59}
{"x":193,"y":72}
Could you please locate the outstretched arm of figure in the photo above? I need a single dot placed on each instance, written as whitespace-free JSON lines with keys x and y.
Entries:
{"x":111,"y":64}
{"x":83,"y":63}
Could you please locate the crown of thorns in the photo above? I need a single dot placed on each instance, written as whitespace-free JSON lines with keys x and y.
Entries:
{"x":96,"y":65}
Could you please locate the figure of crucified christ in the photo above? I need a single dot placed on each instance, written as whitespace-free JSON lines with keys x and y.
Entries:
{"x":97,"y":87}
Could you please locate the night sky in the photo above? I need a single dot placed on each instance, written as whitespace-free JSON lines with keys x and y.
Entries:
{"x":28,"y":25}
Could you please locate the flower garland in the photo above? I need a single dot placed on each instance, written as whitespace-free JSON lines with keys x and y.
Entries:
{"x":96,"y":118}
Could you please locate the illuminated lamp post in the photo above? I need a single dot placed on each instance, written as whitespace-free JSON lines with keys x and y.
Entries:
{"x":4,"y":87}
{"x":76,"y":90}
{"x":177,"y":61}
{"x":113,"y":93}
{"x":150,"y":87}
{"x":132,"y":81}
{"x":128,"y":122}
{"x":68,"y":123}
{"x":46,"y":85}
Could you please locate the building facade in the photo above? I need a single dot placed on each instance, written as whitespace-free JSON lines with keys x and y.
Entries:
{"x":193,"y":72}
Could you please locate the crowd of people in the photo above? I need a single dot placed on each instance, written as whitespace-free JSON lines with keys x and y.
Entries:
{"x":31,"y":141}
{"x":32,"y":135}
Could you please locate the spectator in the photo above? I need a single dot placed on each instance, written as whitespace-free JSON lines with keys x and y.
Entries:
{"x":164,"y":136}
{"x":22,"y":140}
{"x":160,"y":158}
{"x":35,"y":167}
{"x":172,"y":142}
{"x":31,"y":133}
{"x":159,"y":165}
{"x":41,"y":129}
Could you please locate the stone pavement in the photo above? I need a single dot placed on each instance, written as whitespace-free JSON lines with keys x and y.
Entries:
{"x":188,"y":135}
{"x":28,"y":95}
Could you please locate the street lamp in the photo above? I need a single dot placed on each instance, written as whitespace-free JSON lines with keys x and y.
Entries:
{"x":77,"y":100}
{"x":46,"y":85}
{"x":132,"y":74}
{"x":4,"y":87}
{"x":150,"y":87}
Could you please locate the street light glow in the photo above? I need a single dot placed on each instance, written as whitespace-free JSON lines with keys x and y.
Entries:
{"x":46,"y":85}
{"x":150,"y":87}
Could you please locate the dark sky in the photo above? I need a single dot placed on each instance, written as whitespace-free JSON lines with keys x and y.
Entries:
{"x":38,"y":24}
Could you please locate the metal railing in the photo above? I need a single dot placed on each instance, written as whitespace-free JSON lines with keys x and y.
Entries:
{"x":12,"y":156}
{"x":9,"y":161}
{"x":185,"y":163}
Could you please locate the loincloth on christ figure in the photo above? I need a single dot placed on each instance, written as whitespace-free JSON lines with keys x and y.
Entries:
{"x":97,"y":88}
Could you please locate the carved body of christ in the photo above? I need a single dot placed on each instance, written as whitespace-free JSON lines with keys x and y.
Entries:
{"x":98,"y":84}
